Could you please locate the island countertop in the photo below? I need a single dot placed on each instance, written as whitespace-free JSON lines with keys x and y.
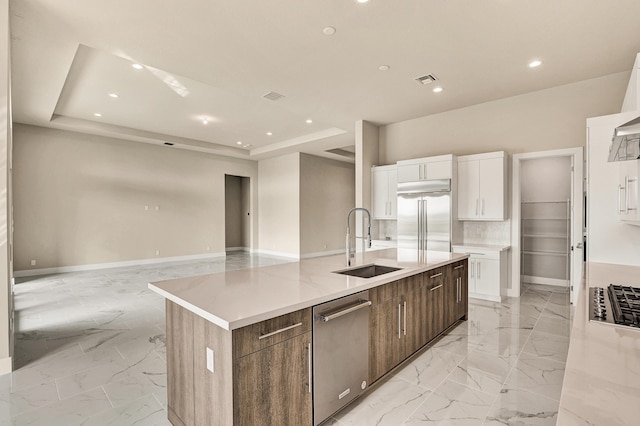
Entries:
{"x":602,"y":376}
{"x":239,"y":298}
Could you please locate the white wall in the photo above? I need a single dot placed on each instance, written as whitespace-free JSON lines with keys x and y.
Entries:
{"x":608,"y":239}
{"x":80,"y":199}
{"x":538,"y":121}
{"x":279,"y":201}
{"x":327,"y":193}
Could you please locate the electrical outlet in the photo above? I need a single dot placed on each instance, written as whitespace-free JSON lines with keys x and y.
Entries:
{"x":325,"y":246}
{"x":157,"y":252}
{"x":157,"y":208}
{"x":210,"y":359}
{"x":146,"y":208}
{"x":208,"y":248}
{"x":33,"y":262}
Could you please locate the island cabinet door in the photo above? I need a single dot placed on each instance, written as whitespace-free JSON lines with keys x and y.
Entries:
{"x":273,"y":386}
{"x":455,"y":295}
{"x":434,"y":318}
{"x":415,"y":316}
{"x":386,"y":341}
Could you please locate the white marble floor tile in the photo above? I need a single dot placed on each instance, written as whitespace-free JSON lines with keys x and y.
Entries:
{"x":430,"y":368}
{"x":483,"y":371}
{"x":452,"y":404}
{"x":547,"y":346}
{"x":138,"y":412}
{"x":542,"y":376}
{"x":519,"y":407}
{"x":535,"y":297}
{"x":34,"y":397}
{"x":553,"y":325}
{"x":390,"y":404}
{"x":68,"y":412}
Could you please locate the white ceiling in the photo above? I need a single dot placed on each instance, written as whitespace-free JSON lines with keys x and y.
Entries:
{"x":216,"y":59}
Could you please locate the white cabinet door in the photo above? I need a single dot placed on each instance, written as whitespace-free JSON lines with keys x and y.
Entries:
{"x":472,"y":275}
{"x":491,"y":178}
{"x":393,"y":194}
{"x":410,"y":173}
{"x":438,"y":170}
{"x":380,"y":194}
{"x":468,"y":190}
{"x":384,"y":192}
{"x":487,"y":273}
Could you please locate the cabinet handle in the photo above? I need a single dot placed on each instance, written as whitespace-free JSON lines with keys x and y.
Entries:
{"x":626,"y":194}
{"x":457,"y":290}
{"x":473,"y":269}
{"x":399,"y":307}
{"x":478,"y":270}
{"x":620,"y":188}
{"x":273,"y":333}
{"x":477,"y":202}
{"x":459,"y":267}
{"x":483,"y":207}
{"x":309,"y":372}
{"x":435,"y":288}
{"x":436,"y":275}
{"x":405,"y":317}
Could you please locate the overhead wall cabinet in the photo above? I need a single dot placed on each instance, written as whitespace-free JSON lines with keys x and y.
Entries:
{"x":482,"y":186}
{"x":628,"y":191}
{"x":487,"y":271}
{"x":429,"y":168}
{"x":384,"y":192}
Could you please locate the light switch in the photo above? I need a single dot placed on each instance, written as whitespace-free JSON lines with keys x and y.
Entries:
{"x":210,"y":359}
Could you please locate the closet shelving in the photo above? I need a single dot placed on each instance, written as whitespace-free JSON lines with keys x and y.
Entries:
{"x":546,"y":240}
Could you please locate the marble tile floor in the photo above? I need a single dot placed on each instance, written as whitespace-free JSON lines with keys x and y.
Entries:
{"x":90,"y":350}
{"x":90,"y":346}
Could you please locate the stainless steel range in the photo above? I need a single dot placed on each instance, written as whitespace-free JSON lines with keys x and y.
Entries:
{"x":616,"y":305}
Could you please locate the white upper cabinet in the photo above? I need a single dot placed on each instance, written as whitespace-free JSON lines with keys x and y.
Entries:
{"x":384,"y":192}
{"x":482,"y":186}
{"x":429,"y":168}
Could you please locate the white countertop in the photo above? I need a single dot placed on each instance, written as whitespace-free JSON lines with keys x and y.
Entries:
{"x":479,"y":246}
{"x":602,"y":377}
{"x":236,"y":299}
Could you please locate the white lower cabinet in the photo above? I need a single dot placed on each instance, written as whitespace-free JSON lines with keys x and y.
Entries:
{"x":488,"y":273}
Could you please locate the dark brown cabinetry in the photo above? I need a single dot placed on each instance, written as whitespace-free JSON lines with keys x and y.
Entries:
{"x":455,"y":293}
{"x":407,"y":314}
{"x":261,"y":373}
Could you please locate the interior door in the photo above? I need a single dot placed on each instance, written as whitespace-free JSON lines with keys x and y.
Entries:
{"x":577,"y":225}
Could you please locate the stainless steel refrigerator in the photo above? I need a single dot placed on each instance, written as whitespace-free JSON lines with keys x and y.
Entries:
{"x":424,"y":215}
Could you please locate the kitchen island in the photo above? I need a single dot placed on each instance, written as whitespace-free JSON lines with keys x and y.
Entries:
{"x":239,"y":344}
{"x":602,"y":377}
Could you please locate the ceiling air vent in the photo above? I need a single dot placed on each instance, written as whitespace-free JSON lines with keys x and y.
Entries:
{"x":273,"y":96}
{"x":426,"y":79}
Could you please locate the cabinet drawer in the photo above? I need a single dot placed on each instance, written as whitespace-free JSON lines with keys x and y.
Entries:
{"x":433,"y":278}
{"x":258,"y":336}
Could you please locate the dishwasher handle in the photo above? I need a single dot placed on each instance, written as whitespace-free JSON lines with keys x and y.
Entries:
{"x":334,"y":315}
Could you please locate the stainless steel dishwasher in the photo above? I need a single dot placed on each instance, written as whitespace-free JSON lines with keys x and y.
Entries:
{"x":340,"y":353}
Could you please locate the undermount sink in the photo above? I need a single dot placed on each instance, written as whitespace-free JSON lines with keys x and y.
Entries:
{"x":368,"y":271}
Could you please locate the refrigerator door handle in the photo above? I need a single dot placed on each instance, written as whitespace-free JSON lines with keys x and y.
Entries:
{"x":419,"y":222}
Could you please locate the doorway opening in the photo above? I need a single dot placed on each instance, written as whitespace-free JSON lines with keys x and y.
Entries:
{"x":237,"y":211}
{"x":548,"y":220}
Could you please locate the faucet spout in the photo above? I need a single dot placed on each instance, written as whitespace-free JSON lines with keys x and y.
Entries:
{"x":348,"y":243}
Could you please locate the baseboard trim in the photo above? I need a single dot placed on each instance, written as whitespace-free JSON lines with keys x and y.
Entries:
{"x":322,"y":253}
{"x":94,"y":266}
{"x":546,"y":281}
{"x":6,"y":365}
{"x":277,"y":254}
{"x":230,"y":249}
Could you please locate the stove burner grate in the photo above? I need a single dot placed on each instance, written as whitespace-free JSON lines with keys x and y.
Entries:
{"x":625,"y":304}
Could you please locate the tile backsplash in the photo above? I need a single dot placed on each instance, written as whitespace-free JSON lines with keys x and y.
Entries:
{"x":494,"y":233}
{"x":386,"y":228}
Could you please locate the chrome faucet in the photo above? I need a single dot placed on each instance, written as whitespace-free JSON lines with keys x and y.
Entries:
{"x":368,"y":237}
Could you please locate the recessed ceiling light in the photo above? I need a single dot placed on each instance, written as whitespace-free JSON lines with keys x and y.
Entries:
{"x":362,"y":1}
{"x":239,"y":142}
{"x":384,"y":67}
{"x":137,"y":66}
{"x":113,"y":95}
{"x":309,"y":121}
{"x":329,"y":31}
{"x":269,"y":134}
{"x":438,"y":89}
{"x":535,"y":64}
{"x":97,"y":114}
{"x":205,"y":121}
